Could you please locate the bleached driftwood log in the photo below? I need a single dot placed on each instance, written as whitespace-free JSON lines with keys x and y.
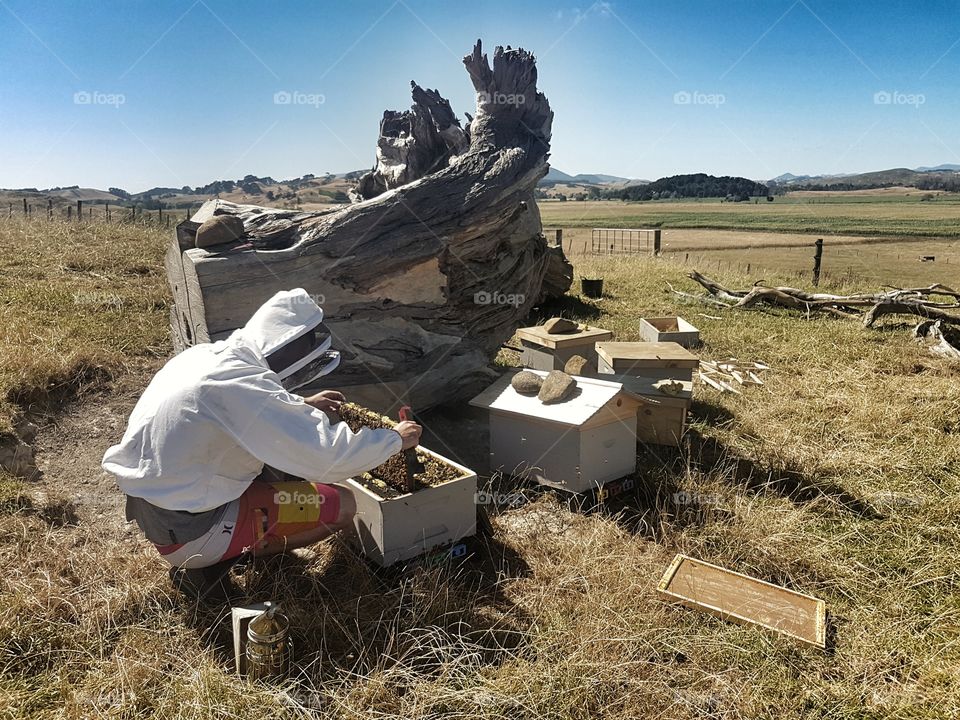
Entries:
{"x":929,"y":333}
{"x":866,"y":307}
{"x":423,"y":282}
{"x":894,"y":301}
{"x":413,"y":143}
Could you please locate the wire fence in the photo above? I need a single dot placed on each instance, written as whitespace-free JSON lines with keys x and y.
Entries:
{"x":103,"y":212}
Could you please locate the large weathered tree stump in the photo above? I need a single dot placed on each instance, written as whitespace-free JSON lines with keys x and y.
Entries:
{"x":423,"y":280}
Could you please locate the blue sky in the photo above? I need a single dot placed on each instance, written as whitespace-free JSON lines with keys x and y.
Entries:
{"x":181,"y":92}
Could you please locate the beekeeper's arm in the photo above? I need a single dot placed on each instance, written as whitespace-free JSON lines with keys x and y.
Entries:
{"x":282,"y":431}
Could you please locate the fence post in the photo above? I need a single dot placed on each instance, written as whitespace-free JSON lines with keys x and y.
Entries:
{"x":49,"y":208}
{"x":79,"y":210}
{"x":656,"y":243}
{"x":559,"y":240}
{"x":69,"y":212}
{"x":817,"y":257}
{"x":24,"y":206}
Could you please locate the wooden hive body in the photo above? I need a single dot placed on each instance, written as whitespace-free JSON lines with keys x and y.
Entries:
{"x":544,"y":351}
{"x":661,"y":419}
{"x":669,"y":329}
{"x":394,"y":529}
{"x":577,"y":445}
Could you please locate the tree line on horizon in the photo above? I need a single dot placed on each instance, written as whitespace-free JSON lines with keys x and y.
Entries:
{"x":697,"y":185}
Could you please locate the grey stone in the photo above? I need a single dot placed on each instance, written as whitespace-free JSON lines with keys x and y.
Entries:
{"x":579,"y":365}
{"x":526,"y":382}
{"x":218,"y":230}
{"x":559,"y":325}
{"x":556,"y":388}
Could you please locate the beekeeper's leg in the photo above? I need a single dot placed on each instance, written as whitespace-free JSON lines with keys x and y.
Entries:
{"x":284,"y":515}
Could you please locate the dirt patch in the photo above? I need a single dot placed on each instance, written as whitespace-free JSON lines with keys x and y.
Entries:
{"x":71,"y":443}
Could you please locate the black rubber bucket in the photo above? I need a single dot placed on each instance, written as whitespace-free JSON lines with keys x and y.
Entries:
{"x":592,"y":287}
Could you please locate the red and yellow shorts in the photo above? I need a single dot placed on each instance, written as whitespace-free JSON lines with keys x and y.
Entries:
{"x":261,"y":519}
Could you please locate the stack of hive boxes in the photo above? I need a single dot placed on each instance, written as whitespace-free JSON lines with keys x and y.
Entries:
{"x":544,"y":350}
{"x":658,"y":373}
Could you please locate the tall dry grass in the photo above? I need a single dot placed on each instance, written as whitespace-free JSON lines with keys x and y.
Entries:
{"x":837,"y":478}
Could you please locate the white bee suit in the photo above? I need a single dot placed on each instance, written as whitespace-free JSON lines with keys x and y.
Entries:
{"x":216,"y":414}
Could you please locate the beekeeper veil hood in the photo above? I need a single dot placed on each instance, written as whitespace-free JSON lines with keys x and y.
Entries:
{"x":288,"y":329}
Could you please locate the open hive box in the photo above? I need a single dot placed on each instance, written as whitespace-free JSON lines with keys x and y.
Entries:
{"x":396,"y":524}
{"x":669,"y":329}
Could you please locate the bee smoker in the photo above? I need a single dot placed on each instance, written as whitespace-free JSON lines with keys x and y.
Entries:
{"x":268,"y":647}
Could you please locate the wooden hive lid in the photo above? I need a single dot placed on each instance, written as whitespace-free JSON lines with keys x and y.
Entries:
{"x":538,"y":336}
{"x":647,"y":354}
{"x":589,"y":398}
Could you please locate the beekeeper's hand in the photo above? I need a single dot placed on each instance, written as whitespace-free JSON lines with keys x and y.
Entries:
{"x":409,"y":433}
{"x":328,"y":401}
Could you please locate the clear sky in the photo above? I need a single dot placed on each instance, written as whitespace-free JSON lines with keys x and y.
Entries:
{"x":182,"y":92}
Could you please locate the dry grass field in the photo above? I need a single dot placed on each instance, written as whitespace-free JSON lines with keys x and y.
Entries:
{"x":870,"y":237}
{"x":877,"y":215}
{"x":837,"y":478}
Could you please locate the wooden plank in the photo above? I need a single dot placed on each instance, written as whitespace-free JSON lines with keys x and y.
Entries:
{"x":539,"y":336}
{"x":734,"y":596}
{"x":646,"y":354}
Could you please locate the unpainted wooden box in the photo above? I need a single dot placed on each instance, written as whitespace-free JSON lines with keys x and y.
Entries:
{"x":546,"y":351}
{"x":404,"y":527}
{"x":577,"y":445}
{"x":656,"y":360}
{"x":662,"y":417}
{"x":669,"y":329}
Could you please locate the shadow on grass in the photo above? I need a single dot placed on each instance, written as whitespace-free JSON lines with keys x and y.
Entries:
{"x":661,"y":502}
{"x":710,"y":456}
{"x":569,"y":306}
{"x":709,"y":413}
{"x":348,"y":617}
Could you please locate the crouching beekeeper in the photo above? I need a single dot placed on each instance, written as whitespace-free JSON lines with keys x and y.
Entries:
{"x":220,"y":456}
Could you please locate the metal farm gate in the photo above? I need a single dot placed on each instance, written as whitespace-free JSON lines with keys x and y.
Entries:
{"x":610,"y":241}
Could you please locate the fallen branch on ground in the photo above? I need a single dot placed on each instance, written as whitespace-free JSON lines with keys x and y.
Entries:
{"x":866,"y":307}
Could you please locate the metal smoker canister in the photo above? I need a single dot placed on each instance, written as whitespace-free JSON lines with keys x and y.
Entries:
{"x":268,"y":649}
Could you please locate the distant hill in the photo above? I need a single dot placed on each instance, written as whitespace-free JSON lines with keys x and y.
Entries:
{"x":948,"y":166}
{"x":555,"y":176}
{"x":894,"y":177}
{"x":307,"y":192}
